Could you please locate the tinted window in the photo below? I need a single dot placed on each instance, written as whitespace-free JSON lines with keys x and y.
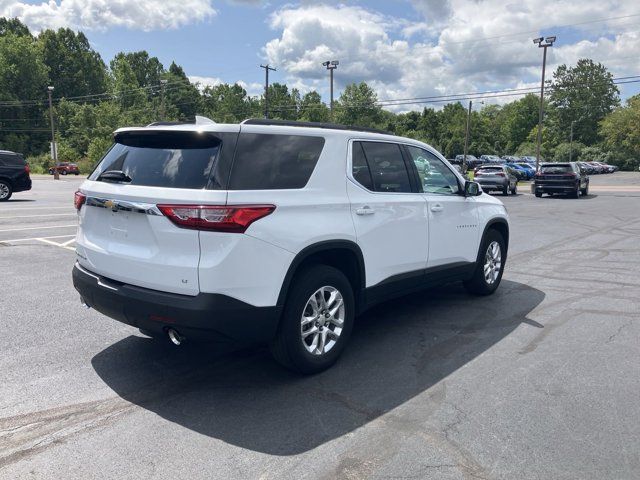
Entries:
{"x":174,"y":160}
{"x":435,"y":176}
{"x":11,"y":160}
{"x":359,"y":168}
{"x":267,"y":162}
{"x":490,"y":169}
{"x":563,"y":168}
{"x":388,"y":171}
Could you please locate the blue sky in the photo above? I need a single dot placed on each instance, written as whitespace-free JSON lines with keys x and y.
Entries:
{"x":403,"y":48}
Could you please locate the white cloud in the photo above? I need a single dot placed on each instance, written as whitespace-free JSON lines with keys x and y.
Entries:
{"x":143,"y":15}
{"x":457,"y":45}
{"x":203,"y":82}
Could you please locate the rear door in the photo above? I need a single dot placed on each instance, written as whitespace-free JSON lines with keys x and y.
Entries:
{"x":388,"y":213}
{"x":122,"y":234}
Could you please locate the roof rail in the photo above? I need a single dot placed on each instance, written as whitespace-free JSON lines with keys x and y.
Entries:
{"x":199,"y":120}
{"x":330,"y":126}
{"x":165,"y":124}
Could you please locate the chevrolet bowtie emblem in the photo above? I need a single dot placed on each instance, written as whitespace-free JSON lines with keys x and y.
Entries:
{"x":111,"y":204}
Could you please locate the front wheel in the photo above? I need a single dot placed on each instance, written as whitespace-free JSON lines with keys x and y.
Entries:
{"x":63,"y":172}
{"x":316,"y":322}
{"x":490,"y":265}
{"x":50,"y":171}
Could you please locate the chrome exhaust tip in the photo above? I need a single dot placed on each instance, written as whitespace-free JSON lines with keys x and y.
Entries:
{"x":175,"y":337}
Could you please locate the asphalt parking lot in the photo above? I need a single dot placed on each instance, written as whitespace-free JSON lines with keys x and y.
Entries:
{"x":539,"y":381}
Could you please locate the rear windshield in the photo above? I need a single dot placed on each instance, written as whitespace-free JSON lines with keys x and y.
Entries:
{"x":11,"y":160}
{"x":490,"y":169}
{"x":162,"y":159}
{"x":268,"y":162}
{"x":556,"y":169}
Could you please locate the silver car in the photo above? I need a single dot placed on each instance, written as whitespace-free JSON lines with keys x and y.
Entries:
{"x":497,"y":177}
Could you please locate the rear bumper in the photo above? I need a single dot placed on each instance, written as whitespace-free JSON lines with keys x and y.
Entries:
{"x":205,"y":317}
{"x":556,"y":187}
{"x":22,"y":184}
{"x":493,"y":185}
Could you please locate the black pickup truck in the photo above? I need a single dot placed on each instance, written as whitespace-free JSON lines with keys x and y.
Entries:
{"x":565,"y":178}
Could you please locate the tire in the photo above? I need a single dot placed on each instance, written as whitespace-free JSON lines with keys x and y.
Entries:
{"x":514,"y":190}
{"x":481,"y":284}
{"x":538,"y":194}
{"x":289,"y":348}
{"x":5,"y":191}
{"x":575,"y":193}
{"x":77,"y":173}
{"x":63,"y":172}
{"x":50,"y":172}
{"x":585,"y":190}
{"x":505,"y":190}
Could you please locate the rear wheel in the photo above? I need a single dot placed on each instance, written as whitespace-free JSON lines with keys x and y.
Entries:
{"x":585,"y":190}
{"x":50,"y":171}
{"x":63,"y":172}
{"x":538,"y":194}
{"x":490,"y":265}
{"x":5,"y":191}
{"x":575,"y":193}
{"x":316,"y":322}
{"x":514,"y":189}
{"x":505,"y":190}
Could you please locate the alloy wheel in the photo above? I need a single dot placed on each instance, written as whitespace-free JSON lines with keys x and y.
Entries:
{"x":322,"y":320}
{"x":492,"y":262}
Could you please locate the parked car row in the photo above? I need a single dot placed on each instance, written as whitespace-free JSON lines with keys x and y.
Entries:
{"x":592,"y":168}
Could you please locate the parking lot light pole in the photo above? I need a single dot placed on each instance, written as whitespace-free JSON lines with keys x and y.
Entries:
{"x":54,"y":150}
{"x":163,"y":114}
{"x":331,"y":66}
{"x":466,"y":136}
{"x":543,"y":43}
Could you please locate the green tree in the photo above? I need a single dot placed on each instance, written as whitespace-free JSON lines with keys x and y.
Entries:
{"x":13,"y":26}
{"x":516,"y":120}
{"x":227,"y":103}
{"x":283,"y":104}
{"x":358,"y":106}
{"x":312,"y":109}
{"x":75,"y":69}
{"x":181,"y":96}
{"x":621,"y":133}
{"x":583,"y":94}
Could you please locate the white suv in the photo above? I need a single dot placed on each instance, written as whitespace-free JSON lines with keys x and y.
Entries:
{"x":276,"y":232}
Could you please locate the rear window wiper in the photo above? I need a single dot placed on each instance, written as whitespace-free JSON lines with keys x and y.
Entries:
{"x":114,"y":176}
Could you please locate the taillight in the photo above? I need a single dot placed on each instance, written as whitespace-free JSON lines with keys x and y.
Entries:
{"x":27,"y":169}
{"x":229,"y":218}
{"x":500,"y":174}
{"x":78,"y":199}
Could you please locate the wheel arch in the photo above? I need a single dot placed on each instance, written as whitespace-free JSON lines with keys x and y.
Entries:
{"x":501,"y":225}
{"x":344,"y":255}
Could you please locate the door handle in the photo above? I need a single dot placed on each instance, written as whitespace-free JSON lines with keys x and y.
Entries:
{"x":437,"y":207}
{"x":366,"y":210}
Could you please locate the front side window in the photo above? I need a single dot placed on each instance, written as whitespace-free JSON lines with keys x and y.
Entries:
{"x":386,"y":166}
{"x":435,"y":176}
{"x":269,"y":162}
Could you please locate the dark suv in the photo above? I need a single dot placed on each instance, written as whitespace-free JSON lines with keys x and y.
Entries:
{"x":567,"y":178}
{"x":14,"y":174}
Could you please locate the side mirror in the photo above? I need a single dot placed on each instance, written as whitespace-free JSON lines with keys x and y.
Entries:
{"x":472,"y":189}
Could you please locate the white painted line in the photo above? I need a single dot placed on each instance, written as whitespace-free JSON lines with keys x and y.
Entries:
{"x":64,"y":244}
{"x":34,"y":208}
{"x":45,"y":215}
{"x":56,"y":244}
{"x":38,"y":228}
{"x":35,"y":238}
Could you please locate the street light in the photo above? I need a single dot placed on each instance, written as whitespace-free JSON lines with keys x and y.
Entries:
{"x":543,"y":43}
{"x":54,"y":149}
{"x":331,"y":66}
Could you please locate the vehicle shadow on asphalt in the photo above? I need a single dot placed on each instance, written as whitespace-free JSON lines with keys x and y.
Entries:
{"x":569,"y":197}
{"x":244,"y":398}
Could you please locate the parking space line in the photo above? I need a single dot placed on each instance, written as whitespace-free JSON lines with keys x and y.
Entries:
{"x":55,"y":244}
{"x":37,"y":208}
{"x":64,"y":244}
{"x":38,"y":228}
{"x":45,"y":215}
{"x":35,"y":238}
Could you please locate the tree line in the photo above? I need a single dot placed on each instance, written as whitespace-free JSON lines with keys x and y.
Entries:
{"x":91,"y":99}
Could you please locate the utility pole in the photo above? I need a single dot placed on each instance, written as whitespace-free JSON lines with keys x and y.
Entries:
{"x":571,"y":140}
{"x":54,"y":149}
{"x":163,"y":111}
{"x":266,"y":88}
{"x":331,"y":66}
{"x":466,"y":136}
{"x":543,"y":43}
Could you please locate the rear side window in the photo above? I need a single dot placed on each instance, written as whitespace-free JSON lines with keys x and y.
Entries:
{"x":163,"y":159}
{"x":270,"y":162}
{"x":387,"y":167}
{"x":359,"y":167}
